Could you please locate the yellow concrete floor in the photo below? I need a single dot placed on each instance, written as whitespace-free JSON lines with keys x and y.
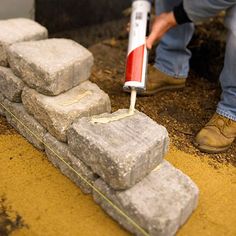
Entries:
{"x":50,"y":204}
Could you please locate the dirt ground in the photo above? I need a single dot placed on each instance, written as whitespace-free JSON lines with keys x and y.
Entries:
{"x":35,"y":199}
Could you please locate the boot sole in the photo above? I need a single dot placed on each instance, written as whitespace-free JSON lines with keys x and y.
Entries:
{"x":209,"y":149}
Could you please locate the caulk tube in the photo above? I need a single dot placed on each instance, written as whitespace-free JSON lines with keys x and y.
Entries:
{"x":137,"y":58}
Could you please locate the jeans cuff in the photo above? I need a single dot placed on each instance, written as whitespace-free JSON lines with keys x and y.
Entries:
{"x":160,"y":68}
{"x":225,"y":114}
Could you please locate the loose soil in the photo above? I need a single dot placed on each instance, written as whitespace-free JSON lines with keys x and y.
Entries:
{"x":47,"y":203}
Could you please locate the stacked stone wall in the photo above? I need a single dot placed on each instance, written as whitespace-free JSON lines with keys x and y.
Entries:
{"x":46,"y":95}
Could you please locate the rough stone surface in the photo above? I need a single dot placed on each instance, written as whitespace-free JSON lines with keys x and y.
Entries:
{"x":2,"y":111}
{"x":18,"y":111}
{"x":121,"y":152}
{"x":51,"y":66}
{"x":10,"y":85}
{"x":18,"y":30}
{"x":160,"y":203}
{"x":55,"y":149}
{"x":57,"y":113}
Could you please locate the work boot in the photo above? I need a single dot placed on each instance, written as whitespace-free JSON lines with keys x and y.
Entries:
{"x":217,"y":136}
{"x":159,"y":81}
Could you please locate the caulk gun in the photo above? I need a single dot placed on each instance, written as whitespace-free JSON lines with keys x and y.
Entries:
{"x":137,"y":58}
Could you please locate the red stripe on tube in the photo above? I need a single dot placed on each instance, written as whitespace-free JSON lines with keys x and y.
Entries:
{"x":134,"y":65}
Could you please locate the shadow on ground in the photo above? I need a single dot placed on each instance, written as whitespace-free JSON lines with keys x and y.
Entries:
{"x":9,"y":220}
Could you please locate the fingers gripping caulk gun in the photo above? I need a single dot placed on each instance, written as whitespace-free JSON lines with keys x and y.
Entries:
{"x":137,"y":58}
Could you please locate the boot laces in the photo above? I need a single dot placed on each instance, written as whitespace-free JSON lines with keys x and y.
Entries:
{"x":221,"y":122}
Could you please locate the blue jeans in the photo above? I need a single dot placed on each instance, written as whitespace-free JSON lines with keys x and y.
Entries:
{"x":172,"y":55}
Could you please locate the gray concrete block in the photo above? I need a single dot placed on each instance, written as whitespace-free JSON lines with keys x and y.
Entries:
{"x":57,"y":113}
{"x":55,"y":149}
{"x":10,"y":85}
{"x":2,"y":110}
{"x":18,"y":30}
{"x":160,"y":203}
{"x":122,"y":152}
{"x":21,"y":116}
{"x":51,"y":66}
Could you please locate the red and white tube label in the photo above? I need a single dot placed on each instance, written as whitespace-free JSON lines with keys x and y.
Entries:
{"x":136,"y":65}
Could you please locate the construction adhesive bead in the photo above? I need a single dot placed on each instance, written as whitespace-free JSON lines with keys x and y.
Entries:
{"x":122,"y":151}
{"x":57,"y":113}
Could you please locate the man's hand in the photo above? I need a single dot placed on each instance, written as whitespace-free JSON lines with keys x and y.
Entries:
{"x":160,"y":26}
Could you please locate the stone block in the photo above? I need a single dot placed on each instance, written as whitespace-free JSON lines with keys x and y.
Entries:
{"x":57,"y":113}
{"x":159,"y":204}
{"x":56,"y":150}
{"x":10,"y":85}
{"x":20,"y":117}
{"x":121,"y":152}
{"x":51,"y":66}
{"x":2,"y":110}
{"x":18,"y":30}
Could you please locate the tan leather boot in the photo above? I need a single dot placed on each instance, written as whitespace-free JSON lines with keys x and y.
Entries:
{"x":217,"y":136}
{"x":159,"y":81}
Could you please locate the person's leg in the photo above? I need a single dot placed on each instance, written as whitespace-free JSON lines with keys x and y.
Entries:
{"x":172,"y":55}
{"x":220,"y":132}
{"x":227,"y":104}
{"x":171,"y":65}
